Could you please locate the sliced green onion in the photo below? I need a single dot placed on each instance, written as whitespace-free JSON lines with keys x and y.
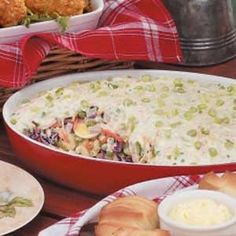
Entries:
{"x":146,"y":78}
{"x":228,"y":144}
{"x":146,"y":100}
{"x":128,"y":102}
{"x":197,"y":145}
{"x":102,"y":94}
{"x":220,"y":102}
{"x":159,"y":124}
{"x":174,"y":125}
{"x":188,"y":115}
{"x":213,"y":152}
{"x":192,"y":133}
{"x":59,"y":92}
{"x":13,"y":121}
{"x":212,"y":113}
{"x":138,"y":148}
{"x":49,"y":98}
{"x":84,"y":104}
{"x":205,"y":131}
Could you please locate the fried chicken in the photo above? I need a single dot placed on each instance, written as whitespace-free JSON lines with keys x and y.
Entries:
{"x":60,"y":7}
{"x":12,"y":12}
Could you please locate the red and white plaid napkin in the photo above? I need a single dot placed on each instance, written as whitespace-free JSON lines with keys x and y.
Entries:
{"x":155,"y":189}
{"x":128,"y":30}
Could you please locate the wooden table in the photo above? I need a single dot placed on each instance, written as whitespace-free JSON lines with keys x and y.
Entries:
{"x":61,"y":202}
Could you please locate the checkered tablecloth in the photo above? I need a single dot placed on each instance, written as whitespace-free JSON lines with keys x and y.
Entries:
{"x":127,"y":30}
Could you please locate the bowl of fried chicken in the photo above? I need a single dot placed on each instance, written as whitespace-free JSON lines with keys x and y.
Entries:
{"x":22,"y":17}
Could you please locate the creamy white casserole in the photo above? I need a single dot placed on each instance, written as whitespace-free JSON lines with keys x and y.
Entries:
{"x":160,"y":121}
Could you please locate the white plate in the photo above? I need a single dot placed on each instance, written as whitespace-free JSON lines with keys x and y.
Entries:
{"x":21,"y":184}
{"x":78,"y":23}
{"x":155,"y":189}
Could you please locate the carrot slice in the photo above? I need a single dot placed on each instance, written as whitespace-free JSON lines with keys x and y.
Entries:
{"x":109,"y":133}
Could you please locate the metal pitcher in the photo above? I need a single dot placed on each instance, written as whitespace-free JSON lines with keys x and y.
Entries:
{"x":207,"y":29}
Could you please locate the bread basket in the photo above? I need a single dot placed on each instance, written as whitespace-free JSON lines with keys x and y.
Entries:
{"x":62,"y":61}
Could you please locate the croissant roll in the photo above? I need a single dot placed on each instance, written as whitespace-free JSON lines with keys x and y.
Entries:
{"x":132,"y":211}
{"x":225,"y":183}
{"x":131,"y":215}
{"x":114,"y":230}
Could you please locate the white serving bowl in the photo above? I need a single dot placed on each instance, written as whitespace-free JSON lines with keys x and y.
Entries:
{"x":77,"y":23}
{"x":228,"y":228}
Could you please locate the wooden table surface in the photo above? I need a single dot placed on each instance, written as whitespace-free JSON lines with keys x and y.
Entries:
{"x":61,"y":202}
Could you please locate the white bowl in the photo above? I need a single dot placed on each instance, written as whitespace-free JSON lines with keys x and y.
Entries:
{"x":228,"y":228}
{"x":78,"y":23}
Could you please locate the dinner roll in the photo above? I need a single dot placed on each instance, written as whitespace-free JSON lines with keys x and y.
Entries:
{"x":108,"y":230}
{"x":133,"y":212}
{"x":225,"y":183}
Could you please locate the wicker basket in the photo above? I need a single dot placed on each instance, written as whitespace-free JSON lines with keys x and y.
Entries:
{"x":61,"y":61}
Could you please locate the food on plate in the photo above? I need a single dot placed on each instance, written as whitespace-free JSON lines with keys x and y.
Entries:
{"x":12,"y":12}
{"x":9,"y":202}
{"x":225,"y":183}
{"x":130,"y":215}
{"x":160,"y":121}
{"x":190,"y":212}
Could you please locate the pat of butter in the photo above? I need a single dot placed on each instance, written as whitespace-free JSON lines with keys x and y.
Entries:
{"x":200,"y":212}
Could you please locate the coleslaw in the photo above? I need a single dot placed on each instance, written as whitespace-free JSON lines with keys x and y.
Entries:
{"x":160,"y":121}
